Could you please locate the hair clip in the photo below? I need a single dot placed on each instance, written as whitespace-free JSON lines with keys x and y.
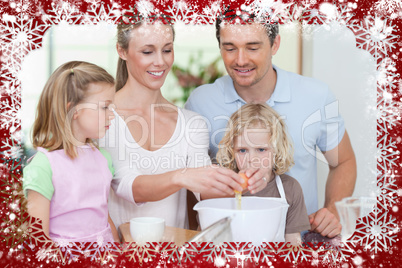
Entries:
{"x":72,"y":70}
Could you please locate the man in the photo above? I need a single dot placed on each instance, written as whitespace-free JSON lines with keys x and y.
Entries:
{"x":308,"y":107}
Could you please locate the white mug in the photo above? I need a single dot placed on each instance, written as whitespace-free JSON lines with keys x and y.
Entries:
{"x":147,"y":229}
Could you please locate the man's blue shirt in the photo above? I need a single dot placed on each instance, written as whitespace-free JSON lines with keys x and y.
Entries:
{"x":307,"y":106}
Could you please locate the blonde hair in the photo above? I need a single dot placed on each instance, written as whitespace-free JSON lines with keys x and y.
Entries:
{"x":65,"y":88}
{"x":251,"y":115}
{"x":123,"y":40}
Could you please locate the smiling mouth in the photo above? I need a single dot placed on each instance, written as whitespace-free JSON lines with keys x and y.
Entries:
{"x":244,"y":71}
{"x":156,"y":73}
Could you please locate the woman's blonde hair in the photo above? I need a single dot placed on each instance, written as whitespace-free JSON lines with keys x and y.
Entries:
{"x":123,"y":39}
{"x":65,"y":88}
{"x":251,"y":115}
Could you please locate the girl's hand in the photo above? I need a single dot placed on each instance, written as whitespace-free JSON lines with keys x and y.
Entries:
{"x":258,"y":179}
{"x":211,"y":181}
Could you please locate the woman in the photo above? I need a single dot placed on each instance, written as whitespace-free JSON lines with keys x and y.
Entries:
{"x":158,"y":149}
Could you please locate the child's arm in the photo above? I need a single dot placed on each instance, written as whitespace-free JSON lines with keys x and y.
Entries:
{"x":39,"y":207}
{"x":114,"y":230}
{"x":294,"y":239}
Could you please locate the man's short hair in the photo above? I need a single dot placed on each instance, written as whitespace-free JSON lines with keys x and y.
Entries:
{"x":230,"y":16}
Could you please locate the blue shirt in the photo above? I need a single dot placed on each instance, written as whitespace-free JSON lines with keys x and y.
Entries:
{"x":308,"y":108}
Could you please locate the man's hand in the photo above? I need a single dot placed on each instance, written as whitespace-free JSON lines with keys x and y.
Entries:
{"x":325,"y":223}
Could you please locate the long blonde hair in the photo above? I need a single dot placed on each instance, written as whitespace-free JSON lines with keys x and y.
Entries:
{"x":252,"y":115}
{"x":65,"y":88}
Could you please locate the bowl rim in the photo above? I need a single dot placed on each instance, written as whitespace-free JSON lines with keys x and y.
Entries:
{"x":281,"y":204}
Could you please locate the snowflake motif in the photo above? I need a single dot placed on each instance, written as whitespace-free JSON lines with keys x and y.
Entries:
{"x":374,"y":35}
{"x":9,"y":117}
{"x":145,"y":8}
{"x":23,"y":7}
{"x":387,"y":74}
{"x":15,"y":226}
{"x":62,"y":12}
{"x":293,"y":13}
{"x":161,"y":2}
{"x":101,"y":251}
{"x":387,"y":189}
{"x":294,"y":253}
{"x":187,"y":252}
{"x":11,"y":153}
{"x":99,"y":13}
{"x":208,"y":15}
{"x":18,"y":37}
{"x":94,"y":2}
{"x":164,"y":255}
{"x":42,"y":254}
{"x":211,"y":251}
{"x":378,"y":231}
{"x":264,"y":253}
{"x":386,"y":155}
{"x":391,"y":8}
{"x":263,"y":8}
{"x":212,"y":10}
{"x":141,"y":254}
{"x":387,"y":111}
{"x":10,"y":87}
{"x":338,"y":252}
{"x":219,"y":262}
{"x":342,"y":14}
{"x":239,"y":251}
{"x":181,"y":12}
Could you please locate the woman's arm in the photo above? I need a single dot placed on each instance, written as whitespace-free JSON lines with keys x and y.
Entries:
{"x":39,"y":207}
{"x":198,"y":176}
{"x":113,"y":228}
{"x":210,"y":181}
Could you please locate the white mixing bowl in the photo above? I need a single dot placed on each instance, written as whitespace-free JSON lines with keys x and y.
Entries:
{"x":258,"y":221}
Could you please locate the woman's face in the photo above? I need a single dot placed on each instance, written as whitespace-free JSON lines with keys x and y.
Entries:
{"x":150,"y":55}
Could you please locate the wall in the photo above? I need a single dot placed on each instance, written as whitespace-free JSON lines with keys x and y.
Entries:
{"x":330,"y":54}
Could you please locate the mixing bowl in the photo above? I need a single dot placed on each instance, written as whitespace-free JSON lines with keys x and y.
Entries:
{"x":258,"y":221}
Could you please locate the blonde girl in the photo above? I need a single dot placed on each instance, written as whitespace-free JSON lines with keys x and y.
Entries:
{"x":67,"y":182}
{"x":256,"y":138}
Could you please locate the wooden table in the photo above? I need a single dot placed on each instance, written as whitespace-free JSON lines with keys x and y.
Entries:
{"x":172,"y":234}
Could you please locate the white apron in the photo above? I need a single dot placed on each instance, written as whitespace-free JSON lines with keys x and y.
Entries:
{"x":280,"y":236}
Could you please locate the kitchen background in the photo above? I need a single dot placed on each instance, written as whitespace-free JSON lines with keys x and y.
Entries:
{"x":327,"y":53}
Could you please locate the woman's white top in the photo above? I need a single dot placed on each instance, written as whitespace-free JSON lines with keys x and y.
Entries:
{"x":187,"y":148}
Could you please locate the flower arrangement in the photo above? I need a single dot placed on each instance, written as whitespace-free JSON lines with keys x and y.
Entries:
{"x":188,"y":80}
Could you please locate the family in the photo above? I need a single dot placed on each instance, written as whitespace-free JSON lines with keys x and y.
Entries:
{"x":113,"y":149}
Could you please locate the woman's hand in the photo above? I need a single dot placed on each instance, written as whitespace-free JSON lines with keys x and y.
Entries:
{"x":210,"y":181}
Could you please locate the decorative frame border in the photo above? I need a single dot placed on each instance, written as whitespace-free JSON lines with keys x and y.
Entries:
{"x":376,"y":240}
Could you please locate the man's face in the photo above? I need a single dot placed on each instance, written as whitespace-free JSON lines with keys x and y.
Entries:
{"x":247,"y":52}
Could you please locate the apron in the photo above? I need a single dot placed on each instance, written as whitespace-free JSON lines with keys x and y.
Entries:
{"x":78,"y":208}
{"x":280,"y":236}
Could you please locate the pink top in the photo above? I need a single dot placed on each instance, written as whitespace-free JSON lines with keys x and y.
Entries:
{"x":78,"y":208}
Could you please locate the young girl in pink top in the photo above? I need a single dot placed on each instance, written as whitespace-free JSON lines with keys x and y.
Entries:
{"x":67,"y":182}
